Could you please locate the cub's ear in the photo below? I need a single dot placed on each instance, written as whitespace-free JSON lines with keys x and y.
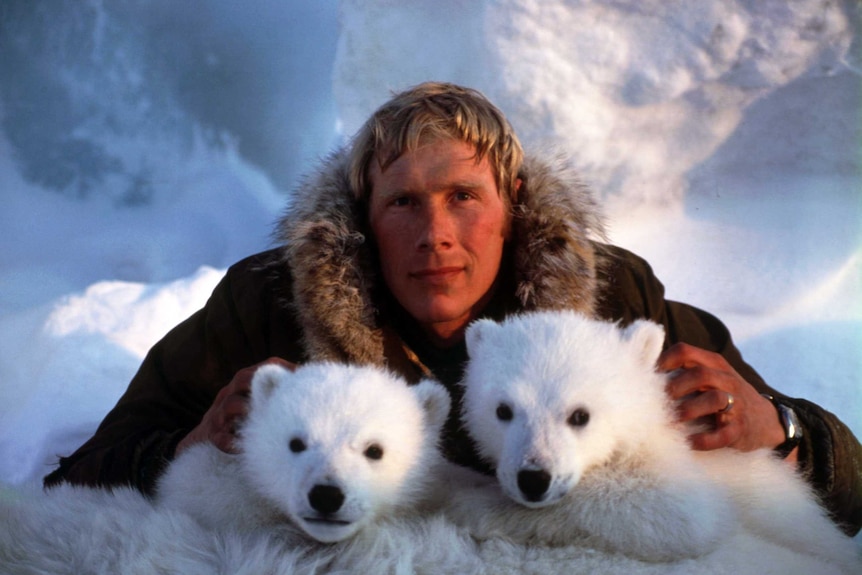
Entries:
{"x":435,"y":402}
{"x":266,"y":380}
{"x":477,"y":332}
{"x":647,"y":337}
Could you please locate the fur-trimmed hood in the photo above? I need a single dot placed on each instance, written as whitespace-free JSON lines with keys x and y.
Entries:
{"x":323,"y":242}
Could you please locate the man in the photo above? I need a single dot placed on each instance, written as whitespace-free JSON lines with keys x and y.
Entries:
{"x":431,"y":219}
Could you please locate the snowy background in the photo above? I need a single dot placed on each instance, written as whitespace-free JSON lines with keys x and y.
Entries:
{"x":147,"y":145}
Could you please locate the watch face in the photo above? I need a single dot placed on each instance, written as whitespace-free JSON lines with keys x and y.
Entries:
{"x":792,"y":429}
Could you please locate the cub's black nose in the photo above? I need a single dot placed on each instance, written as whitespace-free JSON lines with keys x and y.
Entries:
{"x":533,"y":483}
{"x":326,"y":499}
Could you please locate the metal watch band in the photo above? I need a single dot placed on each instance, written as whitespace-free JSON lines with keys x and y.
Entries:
{"x":792,"y":427}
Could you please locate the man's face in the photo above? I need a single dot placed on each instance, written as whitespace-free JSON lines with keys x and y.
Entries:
{"x":440,"y":225}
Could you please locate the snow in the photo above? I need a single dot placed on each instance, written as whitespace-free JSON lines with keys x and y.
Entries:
{"x":722,"y":136}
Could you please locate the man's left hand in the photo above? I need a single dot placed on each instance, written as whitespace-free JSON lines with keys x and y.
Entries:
{"x":708,"y":388}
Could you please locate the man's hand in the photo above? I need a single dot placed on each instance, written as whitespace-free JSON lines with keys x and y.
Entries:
{"x":219,"y":424}
{"x":710,"y":390}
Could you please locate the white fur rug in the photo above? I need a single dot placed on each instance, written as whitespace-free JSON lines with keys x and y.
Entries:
{"x":80,"y":531}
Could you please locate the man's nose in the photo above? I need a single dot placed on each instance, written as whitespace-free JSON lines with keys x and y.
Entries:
{"x":436,"y":230}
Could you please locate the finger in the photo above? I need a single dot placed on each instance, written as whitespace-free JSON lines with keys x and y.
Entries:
{"x":685,"y":382}
{"x":279,"y":361}
{"x":225,"y":441}
{"x":241,"y":383}
{"x":686,"y":356}
{"x":234,"y":406}
{"x":724,"y":435}
{"x":701,"y":404}
{"x":677,"y":356}
{"x":225,"y":434}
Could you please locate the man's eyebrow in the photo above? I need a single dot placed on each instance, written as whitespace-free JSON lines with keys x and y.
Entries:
{"x":394,"y":191}
{"x":445,"y":185}
{"x":469,"y":184}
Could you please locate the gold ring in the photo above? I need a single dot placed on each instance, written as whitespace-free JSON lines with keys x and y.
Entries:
{"x":729,"y":405}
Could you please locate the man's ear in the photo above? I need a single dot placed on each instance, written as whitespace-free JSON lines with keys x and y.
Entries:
{"x":516,"y":188}
{"x":511,"y":202}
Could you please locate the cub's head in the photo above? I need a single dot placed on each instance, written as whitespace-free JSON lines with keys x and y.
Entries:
{"x":549,"y":395}
{"x":334,"y":446}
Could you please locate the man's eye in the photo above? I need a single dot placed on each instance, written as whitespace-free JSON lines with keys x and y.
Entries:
{"x":463,"y":196}
{"x":401,"y":202}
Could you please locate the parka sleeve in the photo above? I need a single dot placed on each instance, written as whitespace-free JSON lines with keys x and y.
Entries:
{"x":830,"y":456}
{"x":177,"y":382}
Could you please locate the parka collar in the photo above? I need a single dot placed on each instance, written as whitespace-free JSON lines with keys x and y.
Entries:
{"x":323,"y":241}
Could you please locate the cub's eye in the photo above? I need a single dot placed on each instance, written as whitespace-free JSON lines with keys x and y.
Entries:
{"x":297,"y":445}
{"x":374,"y":452}
{"x":579,"y":417}
{"x":504,"y":412}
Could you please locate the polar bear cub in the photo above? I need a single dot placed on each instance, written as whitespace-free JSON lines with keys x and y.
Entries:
{"x":574,"y":416}
{"x":325,"y":450}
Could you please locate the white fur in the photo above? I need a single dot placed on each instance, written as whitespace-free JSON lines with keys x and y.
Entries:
{"x":73,"y":530}
{"x":69,"y":531}
{"x":626,"y":480}
{"x":336,"y":413}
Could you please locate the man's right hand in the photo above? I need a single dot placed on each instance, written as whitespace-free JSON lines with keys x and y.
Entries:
{"x":219,"y":424}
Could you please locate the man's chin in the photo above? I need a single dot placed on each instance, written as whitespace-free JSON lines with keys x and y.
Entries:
{"x":444,"y":328}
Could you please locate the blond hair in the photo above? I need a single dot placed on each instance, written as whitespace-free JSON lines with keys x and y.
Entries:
{"x":431,"y":111}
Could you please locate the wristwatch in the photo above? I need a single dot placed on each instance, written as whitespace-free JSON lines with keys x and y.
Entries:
{"x":792,"y":427}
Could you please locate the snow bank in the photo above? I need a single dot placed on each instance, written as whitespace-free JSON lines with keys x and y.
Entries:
{"x":638,"y":91}
{"x":64,"y":365}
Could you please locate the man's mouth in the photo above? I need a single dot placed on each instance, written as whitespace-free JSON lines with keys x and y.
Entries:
{"x":434,"y":275}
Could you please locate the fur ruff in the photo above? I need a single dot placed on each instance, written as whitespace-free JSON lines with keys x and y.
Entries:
{"x":324,"y":243}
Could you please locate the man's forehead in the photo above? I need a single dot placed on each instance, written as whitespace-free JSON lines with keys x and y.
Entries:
{"x":440,"y":160}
